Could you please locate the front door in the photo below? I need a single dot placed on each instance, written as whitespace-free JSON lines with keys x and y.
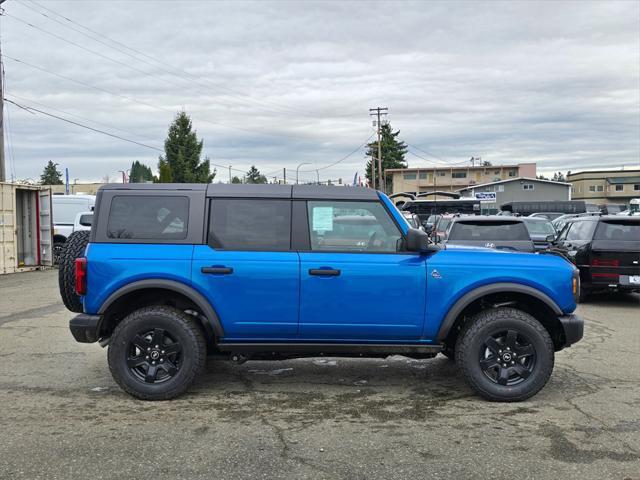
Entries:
{"x":247,"y":270}
{"x":356,"y":284}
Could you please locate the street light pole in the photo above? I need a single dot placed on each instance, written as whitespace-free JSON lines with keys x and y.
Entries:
{"x":298,"y":168}
{"x":318,"y":176}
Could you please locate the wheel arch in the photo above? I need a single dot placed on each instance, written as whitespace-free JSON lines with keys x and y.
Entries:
{"x":527,"y":298}
{"x":175,"y":290}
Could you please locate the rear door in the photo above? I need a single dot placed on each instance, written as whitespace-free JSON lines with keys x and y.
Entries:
{"x":615,"y":252}
{"x":247,"y":269}
{"x":356,"y":282}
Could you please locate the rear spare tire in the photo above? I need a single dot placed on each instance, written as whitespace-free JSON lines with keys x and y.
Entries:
{"x":73,"y":248}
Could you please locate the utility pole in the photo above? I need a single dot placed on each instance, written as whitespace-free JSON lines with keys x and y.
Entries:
{"x":284,"y":176}
{"x":377,"y":112}
{"x":2,"y":172}
{"x":230,"y":178}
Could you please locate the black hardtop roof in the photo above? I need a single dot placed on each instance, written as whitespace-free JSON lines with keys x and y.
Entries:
{"x":311,"y":192}
{"x":488,"y":219}
{"x":194,"y":187}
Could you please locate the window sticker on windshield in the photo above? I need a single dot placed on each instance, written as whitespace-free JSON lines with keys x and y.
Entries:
{"x":322,"y":219}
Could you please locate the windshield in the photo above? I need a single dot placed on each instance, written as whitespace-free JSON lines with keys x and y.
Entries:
{"x":540,"y":228}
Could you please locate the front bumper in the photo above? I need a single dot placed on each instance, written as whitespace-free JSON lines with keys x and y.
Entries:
{"x":85,"y":328}
{"x":573,"y":327}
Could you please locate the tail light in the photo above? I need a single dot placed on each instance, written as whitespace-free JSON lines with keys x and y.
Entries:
{"x":599,"y":262}
{"x":81,"y":276}
{"x":605,"y":275}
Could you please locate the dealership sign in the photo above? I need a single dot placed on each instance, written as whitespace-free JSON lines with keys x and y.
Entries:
{"x":486,"y":197}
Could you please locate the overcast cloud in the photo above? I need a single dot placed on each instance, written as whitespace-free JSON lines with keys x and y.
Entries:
{"x":279,"y":83}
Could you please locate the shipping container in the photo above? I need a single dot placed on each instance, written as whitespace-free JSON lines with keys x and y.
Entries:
{"x":25,"y":228}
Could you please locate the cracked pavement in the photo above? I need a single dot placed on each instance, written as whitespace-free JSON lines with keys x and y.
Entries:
{"x":63,"y":416}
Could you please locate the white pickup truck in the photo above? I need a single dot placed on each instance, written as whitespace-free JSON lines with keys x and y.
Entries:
{"x":67,"y":211}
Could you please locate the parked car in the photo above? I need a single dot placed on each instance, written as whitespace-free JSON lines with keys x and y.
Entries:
{"x":412,"y":219}
{"x":440,"y":228}
{"x":541,"y":231}
{"x":65,"y":208}
{"x":561,"y":221}
{"x":499,"y":232}
{"x":83,"y":221}
{"x":547,"y":215}
{"x":606,"y":249}
{"x":279,"y":271}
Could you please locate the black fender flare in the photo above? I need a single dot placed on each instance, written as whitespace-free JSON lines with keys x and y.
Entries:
{"x":213,"y":325}
{"x":469,"y":297}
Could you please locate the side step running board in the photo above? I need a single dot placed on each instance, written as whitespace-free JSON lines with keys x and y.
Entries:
{"x":330,"y":348}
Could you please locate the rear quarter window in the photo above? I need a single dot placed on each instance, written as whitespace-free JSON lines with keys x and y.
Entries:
{"x":505,"y":231}
{"x":147,"y":217}
{"x":618,"y":231}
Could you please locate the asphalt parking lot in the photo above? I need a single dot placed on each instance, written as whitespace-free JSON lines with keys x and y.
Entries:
{"x":62,"y":415}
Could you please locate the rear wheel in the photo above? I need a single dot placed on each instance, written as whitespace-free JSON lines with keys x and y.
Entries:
{"x":505,"y":355}
{"x":73,"y":248}
{"x":156,"y":353}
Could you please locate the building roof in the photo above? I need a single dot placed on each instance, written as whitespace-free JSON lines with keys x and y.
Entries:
{"x":459,"y":167}
{"x":517,"y":179}
{"x":621,"y":180}
{"x":610,"y":171}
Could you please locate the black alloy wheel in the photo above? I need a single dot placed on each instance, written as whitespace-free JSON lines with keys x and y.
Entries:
{"x":154,"y":356}
{"x":508,"y":358}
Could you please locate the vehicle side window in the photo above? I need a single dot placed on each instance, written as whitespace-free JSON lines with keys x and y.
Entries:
{"x":581,"y":230}
{"x":146,"y":217}
{"x":351,"y":227}
{"x":256,"y":224}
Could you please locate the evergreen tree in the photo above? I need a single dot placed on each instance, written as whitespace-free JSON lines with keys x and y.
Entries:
{"x":140,"y":173}
{"x":393,"y":151}
{"x":236,"y":180}
{"x":51,"y":175}
{"x":254,"y":176}
{"x":181,"y":161}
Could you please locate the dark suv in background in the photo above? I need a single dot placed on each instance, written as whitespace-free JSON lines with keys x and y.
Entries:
{"x":606,"y":249}
{"x":499,"y":232}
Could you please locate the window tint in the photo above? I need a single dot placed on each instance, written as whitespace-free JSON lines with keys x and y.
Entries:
{"x":352,"y":226}
{"x":469,"y":230}
{"x":581,"y":230}
{"x":621,"y":231}
{"x":147,"y":217}
{"x":86,"y":220}
{"x":540,"y":228}
{"x":257,"y":224}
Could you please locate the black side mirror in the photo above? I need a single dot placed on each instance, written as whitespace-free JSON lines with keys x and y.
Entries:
{"x":418,"y":241}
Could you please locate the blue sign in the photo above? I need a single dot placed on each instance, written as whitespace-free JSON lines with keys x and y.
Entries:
{"x":486,"y":196}
{"x":66,"y":183}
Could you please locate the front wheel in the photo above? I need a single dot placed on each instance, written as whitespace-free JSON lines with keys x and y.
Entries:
{"x":156,"y":353}
{"x":505,"y":355}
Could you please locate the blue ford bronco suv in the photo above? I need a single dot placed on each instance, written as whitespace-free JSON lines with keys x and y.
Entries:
{"x":171,"y":273}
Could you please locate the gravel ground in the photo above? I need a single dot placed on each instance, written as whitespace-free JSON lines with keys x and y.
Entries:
{"x":62,"y":415}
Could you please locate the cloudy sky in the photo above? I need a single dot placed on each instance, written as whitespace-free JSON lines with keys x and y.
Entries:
{"x":276,"y":84}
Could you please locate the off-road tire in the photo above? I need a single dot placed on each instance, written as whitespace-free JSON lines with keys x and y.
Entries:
{"x":73,"y":248}
{"x":471,"y":344}
{"x":173,"y":322}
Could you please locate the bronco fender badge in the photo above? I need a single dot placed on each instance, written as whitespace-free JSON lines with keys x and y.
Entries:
{"x":436,"y":274}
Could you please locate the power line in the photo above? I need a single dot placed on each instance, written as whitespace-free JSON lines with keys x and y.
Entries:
{"x":343,"y":158}
{"x":182,"y":74}
{"x":140,"y":102}
{"x":83,"y":126}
